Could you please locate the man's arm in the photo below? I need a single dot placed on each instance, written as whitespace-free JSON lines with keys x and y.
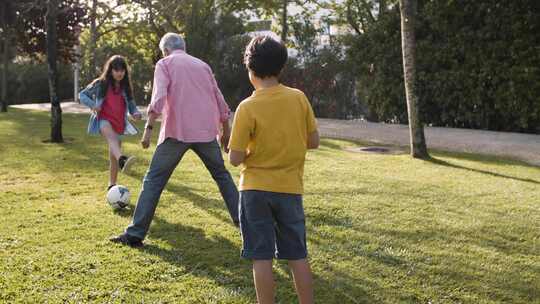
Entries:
{"x":224,"y":110}
{"x":225,"y":136}
{"x":159,"y":89}
{"x":159,"y":96}
{"x":148,"y":128}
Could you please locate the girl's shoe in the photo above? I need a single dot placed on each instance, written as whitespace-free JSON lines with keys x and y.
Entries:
{"x":125,"y":162}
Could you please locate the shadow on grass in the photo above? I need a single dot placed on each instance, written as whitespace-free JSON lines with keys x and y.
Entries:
{"x":441,"y":162}
{"x":217,"y":259}
{"x":215,"y":207}
{"x":486,"y":159}
{"x":126,"y":212}
{"x":213,"y":257}
{"x":470,"y":264}
{"x":79,"y":151}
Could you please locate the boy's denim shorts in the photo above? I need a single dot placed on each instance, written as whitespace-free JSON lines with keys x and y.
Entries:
{"x":272,"y":225}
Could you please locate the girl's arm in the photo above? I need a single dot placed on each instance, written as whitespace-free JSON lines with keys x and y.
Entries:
{"x":133,"y":111}
{"x":87,"y":96}
{"x":132,"y":108}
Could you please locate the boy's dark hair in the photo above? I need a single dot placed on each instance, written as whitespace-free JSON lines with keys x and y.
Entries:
{"x":265,"y":56}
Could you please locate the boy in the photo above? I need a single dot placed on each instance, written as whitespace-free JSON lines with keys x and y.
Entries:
{"x":272,"y":130}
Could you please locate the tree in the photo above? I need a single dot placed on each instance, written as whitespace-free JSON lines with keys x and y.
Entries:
{"x":275,"y":8}
{"x":52,"y":57}
{"x":408,"y":45}
{"x":48,"y":27}
{"x":6,"y":22}
{"x":5,"y":42}
{"x":284,"y":22}
{"x":30,"y":28}
{"x":101,"y":18}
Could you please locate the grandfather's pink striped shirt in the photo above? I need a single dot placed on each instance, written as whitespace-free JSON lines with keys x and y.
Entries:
{"x":185,"y":92}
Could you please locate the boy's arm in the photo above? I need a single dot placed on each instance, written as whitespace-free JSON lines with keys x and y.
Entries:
{"x":236,"y":157}
{"x":312,"y":130}
{"x":313,"y":140}
{"x":243,"y":126}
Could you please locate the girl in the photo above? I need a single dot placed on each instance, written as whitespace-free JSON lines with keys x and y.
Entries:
{"x":110,"y":97}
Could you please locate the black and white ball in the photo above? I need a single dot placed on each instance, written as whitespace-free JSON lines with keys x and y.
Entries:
{"x":118,"y":197}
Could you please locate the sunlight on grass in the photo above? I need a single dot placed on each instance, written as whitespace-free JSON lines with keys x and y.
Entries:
{"x":459,"y":228}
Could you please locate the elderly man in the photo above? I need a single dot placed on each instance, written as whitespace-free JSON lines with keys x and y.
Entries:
{"x":192,"y":108}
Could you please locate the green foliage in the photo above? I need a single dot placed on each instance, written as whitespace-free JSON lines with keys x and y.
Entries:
{"x":30,"y":26}
{"x":477,"y":65}
{"x":137,"y":44}
{"x":376,"y":56}
{"x":28,"y":82}
{"x":231,"y":74}
{"x":321,"y":72}
{"x":207,"y":37}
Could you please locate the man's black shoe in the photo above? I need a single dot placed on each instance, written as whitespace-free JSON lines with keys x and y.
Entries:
{"x":127,"y":240}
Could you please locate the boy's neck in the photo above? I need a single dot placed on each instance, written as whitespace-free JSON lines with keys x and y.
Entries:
{"x":265,"y":83}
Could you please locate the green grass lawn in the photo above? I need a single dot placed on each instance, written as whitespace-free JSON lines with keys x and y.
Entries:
{"x":381,"y":229}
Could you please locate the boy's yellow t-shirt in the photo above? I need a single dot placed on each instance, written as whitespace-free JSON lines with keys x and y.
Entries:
{"x":272,"y":127}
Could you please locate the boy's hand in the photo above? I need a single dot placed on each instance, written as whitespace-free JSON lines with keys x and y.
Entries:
{"x":96,"y":110}
{"x":145,"y":141}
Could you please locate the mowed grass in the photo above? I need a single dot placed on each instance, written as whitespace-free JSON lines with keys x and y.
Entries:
{"x":381,"y":229}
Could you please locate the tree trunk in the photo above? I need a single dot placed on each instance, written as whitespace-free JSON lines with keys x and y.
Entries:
{"x":382,"y":7}
{"x":408,"y":46}
{"x":92,"y":44}
{"x":5,"y":54}
{"x":76,"y":72}
{"x":284,"y":25}
{"x":52,"y":54}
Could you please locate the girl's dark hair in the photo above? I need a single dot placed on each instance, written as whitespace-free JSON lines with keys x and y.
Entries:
{"x":265,"y":56}
{"x":106,"y":79}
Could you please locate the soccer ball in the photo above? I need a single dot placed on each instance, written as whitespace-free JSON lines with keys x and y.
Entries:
{"x":118,"y":197}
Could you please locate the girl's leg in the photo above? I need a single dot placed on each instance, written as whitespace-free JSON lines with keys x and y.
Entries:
{"x":113,"y":168}
{"x":114,"y":151}
{"x":112,"y":139}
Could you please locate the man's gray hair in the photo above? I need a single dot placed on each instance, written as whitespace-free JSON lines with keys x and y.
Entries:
{"x":171,"y":42}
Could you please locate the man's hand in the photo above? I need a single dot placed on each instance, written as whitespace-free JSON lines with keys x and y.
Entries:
{"x":137,"y":116}
{"x":145,"y":141}
{"x":224,"y":140}
{"x":225,"y":136}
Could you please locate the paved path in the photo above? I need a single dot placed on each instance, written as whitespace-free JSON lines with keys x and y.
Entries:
{"x":524,"y":147}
